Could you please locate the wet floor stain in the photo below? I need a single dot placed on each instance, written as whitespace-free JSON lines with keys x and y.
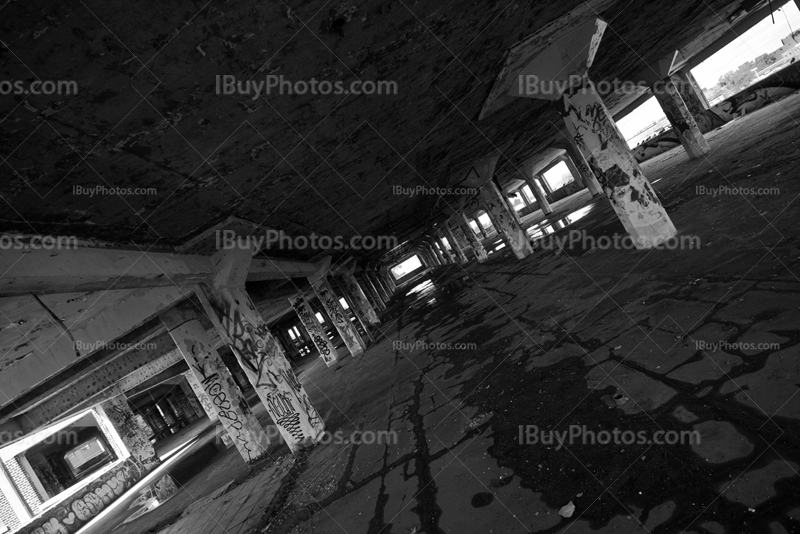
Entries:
{"x":479,"y":500}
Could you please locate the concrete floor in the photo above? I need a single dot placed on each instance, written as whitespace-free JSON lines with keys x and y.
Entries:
{"x":602,"y":338}
{"x":556,"y":337}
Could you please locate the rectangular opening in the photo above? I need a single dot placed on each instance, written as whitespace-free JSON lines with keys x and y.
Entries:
{"x":406,"y":267}
{"x":760,"y":51}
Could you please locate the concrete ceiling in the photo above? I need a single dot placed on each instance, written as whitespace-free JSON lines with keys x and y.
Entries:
{"x":147,"y":115}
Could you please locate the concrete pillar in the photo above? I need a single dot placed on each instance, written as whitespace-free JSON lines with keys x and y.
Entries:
{"x":691,"y":93}
{"x":360,"y":298}
{"x":190,"y":396}
{"x":241,"y":326}
{"x":474,"y":241}
{"x":480,"y":226}
{"x":424,"y":254}
{"x":437,"y":251}
{"x":443,"y":241}
{"x":384,"y":293}
{"x":681,"y":119}
{"x":357,"y":314}
{"x":123,"y":420}
{"x":505,"y":220}
{"x":372,"y":292}
{"x":215,"y":380}
{"x":199,"y":393}
{"x":330,"y":301}
{"x":459,"y":253}
{"x":607,"y":153}
{"x":423,"y":258}
{"x":566,"y":60}
{"x":309,"y":321}
{"x":458,"y":233}
{"x":590,"y":183}
{"x":388,"y":279}
{"x":538,"y":192}
{"x":434,"y":253}
{"x":574,"y":159}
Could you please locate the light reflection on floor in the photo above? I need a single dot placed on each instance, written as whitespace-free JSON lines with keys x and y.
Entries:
{"x":549,"y":227}
{"x":423,"y":288}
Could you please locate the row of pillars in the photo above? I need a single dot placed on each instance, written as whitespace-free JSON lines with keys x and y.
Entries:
{"x":229,"y":317}
{"x":596,"y":152}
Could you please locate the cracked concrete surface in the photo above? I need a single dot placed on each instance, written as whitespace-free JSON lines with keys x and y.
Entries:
{"x":554,"y":352}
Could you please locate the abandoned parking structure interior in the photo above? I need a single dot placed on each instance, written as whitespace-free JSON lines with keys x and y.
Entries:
{"x":399,"y":267}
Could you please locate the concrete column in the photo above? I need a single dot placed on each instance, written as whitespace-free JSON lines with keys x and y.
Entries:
{"x":458,"y":252}
{"x":574,"y":158}
{"x":459,"y":235}
{"x":309,"y":321}
{"x":199,"y":393}
{"x":360,"y":298}
{"x":448,"y":253}
{"x":691,"y":93}
{"x":475,"y":242}
{"x":423,"y":258}
{"x":424,"y":254}
{"x":480,"y":226}
{"x":432,"y":251}
{"x":607,"y":153}
{"x":681,"y":119}
{"x":372,"y":292}
{"x":191,"y":398}
{"x":505,"y":220}
{"x":123,"y":420}
{"x":388,"y":279}
{"x":538,"y":192}
{"x":359,"y":317}
{"x":384,"y":293}
{"x":241,"y":326}
{"x":215,"y":380}
{"x":339,"y":318}
{"x":437,"y":251}
{"x":566,"y":60}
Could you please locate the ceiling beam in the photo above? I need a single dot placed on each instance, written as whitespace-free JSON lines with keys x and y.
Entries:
{"x":99,"y":269}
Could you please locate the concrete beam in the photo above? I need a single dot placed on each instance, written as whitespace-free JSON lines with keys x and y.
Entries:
{"x":124,"y":371}
{"x":99,"y":269}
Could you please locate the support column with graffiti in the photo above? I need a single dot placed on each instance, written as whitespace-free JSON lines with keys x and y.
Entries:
{"x":459,"y":241}
{"x":461,"y":221}
{"x":575,"y":160}
{"x":242,"y":327}
{"x":315,"y":331}
{"x":445,"y":240}
{"x":538,"y":192}
{"x":339,"y":286}
{"x":505,"y":220}
{"x":330,"y":301}
{"x":690,"y":92}
{"x":360,"y":299}
{"x":215,"y":380}
{"x":372,"y":292}
{"x":683,"y":123}
{"x":567,"y":60}
{"x":598,"y":139}
{"x":437,"y":248}
{"x":123,"y":420}
{"x":196,"y":388}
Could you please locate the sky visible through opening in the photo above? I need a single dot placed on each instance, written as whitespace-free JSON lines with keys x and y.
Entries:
{"x":402,"y":269}
{"x":762,"y":38}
